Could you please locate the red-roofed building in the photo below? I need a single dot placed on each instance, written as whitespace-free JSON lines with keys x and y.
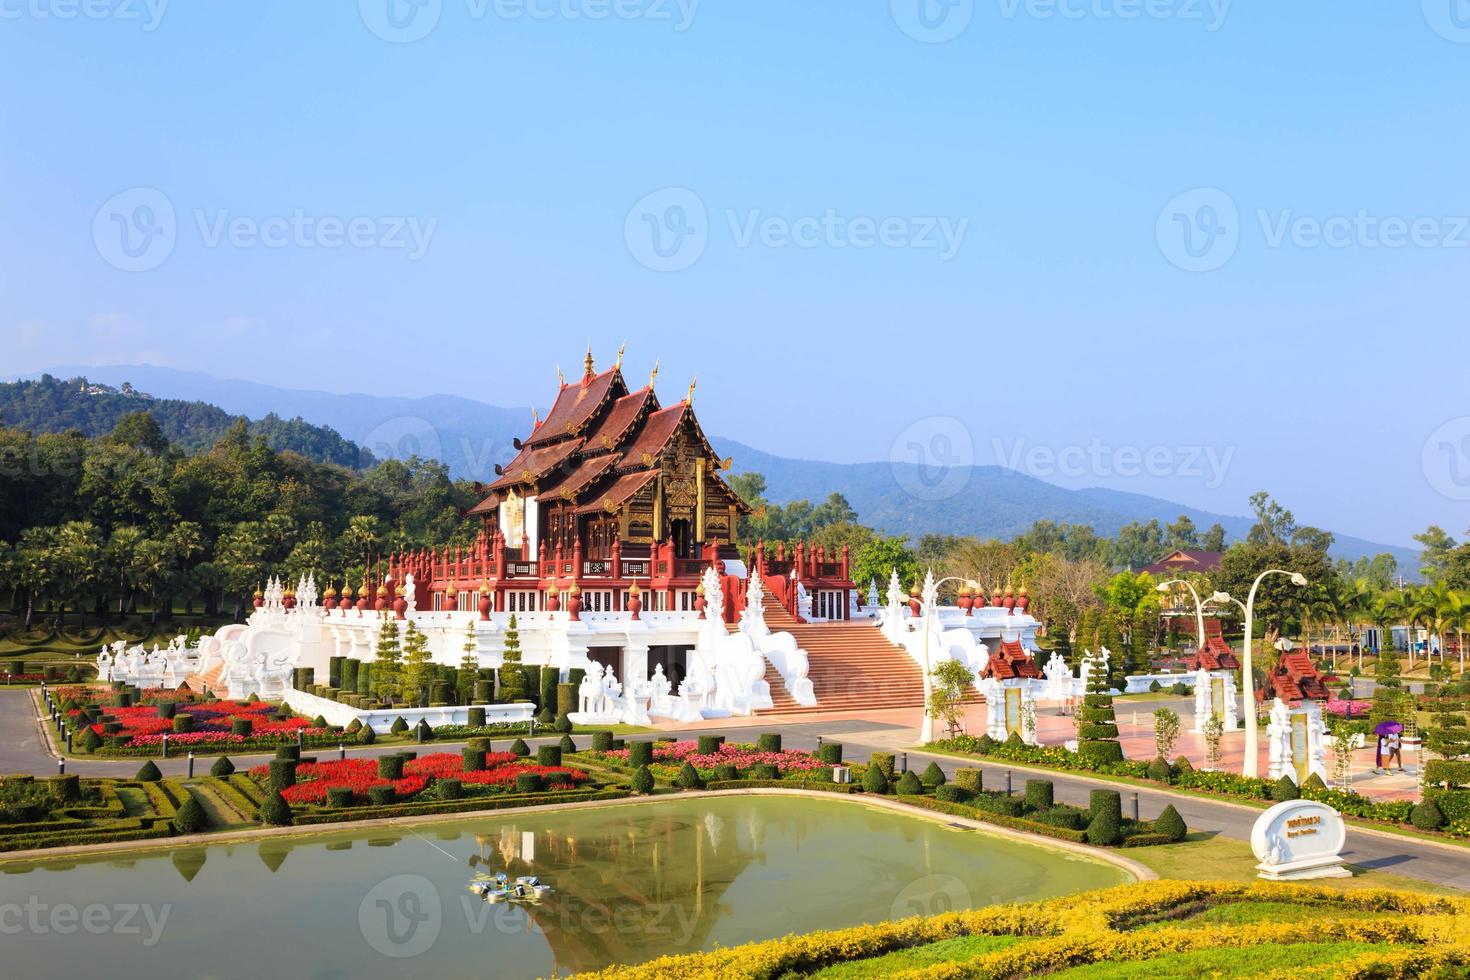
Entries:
{"x":1215,"y":654}
{"x":1184,"y":560}
{"x":1296,"y":679}
{"x":1010,"y":662}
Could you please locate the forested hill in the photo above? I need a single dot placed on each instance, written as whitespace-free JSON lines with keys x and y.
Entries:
{"x":50,"y":405}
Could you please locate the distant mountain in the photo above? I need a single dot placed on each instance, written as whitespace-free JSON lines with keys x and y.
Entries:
{"x":51,"y":404}
{"x":471,"y":436}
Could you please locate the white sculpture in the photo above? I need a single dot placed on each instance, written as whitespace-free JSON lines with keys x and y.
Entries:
{"x":1204,"y":700}
{"x":1283,"y":750}
{"x":1060,"y":684}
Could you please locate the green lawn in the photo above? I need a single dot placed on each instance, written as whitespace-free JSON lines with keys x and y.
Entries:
{"x":1235,"y":961}
{"x":947,"y":951}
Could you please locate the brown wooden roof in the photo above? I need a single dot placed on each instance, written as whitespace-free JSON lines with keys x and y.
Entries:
{"x":532,"y":464}
{"x":655,"y":435}
{"x":576,"y":405}
{"x":582,"y":477}
{"x":619,"y":419}
{"x":619,"y":492}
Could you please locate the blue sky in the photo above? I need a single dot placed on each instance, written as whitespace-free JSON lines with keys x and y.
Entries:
{"x":970,"y":248}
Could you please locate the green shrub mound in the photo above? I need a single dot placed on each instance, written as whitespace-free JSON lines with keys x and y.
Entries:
{"x":709,"y":744}
{"x":548,"y":755}
{"x":764,"y":770}
{"x":1159,"y":771}
{"x":1315,"y":784}
{"x":366,"y":735}
{"x":423,"y":732}
{"x":382,"y":795}
{"x":282,"y":774}
{"x":241,"y":726}
{"x":602,"y":741}
{"x":768,"y":742}
{"x":190,"y":818}
{"x":642,"y":781}
{"x":875,"y":780}
{"x":276,"y":812}
{"x":520,"y":748}
{"x":1040,"y":794}
{"x":1182,"y":764}
{"x":1427,"y":816}
{"x":1171,"y":824}
{"x":399,"y":726}
{"x":885,"y":761}
{"x":1106,"y":801}
{"x":952,"y":793}
{"x":1105,"y":830}
{"x":1284,"y":789}
{"x":474,"y":760}
{"x":448,"y":789}
{"x":291,"y":752}
{"x":148,"y":773}
{"x":90,"y":740}
{"x":933,"y":776}
{"x":725,"y":773}
{"x":390,"y":766}
{"x":528,"y":782}
{"x":222,"y":767}
{"x":688,"y":777}
{"x":969,"y":779}
{"x":339,"y":797}
{"x":909,"y":785}
{"x":567,"y":745}
{"x":640,"y":754}
{"x":830,"y":753}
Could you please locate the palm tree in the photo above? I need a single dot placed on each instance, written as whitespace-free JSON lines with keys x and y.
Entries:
{"x":1459,"y":621}
{"x":1357,"y":604}
{"x":1396,"y":607}
{"x":1432,"y":611}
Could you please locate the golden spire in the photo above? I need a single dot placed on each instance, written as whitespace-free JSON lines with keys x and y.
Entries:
{"x":560,"y":379}
{"x":690,"y":397}
{"x":654,"y":376}
{"x":587,"y":369}
{"x":619,"y":364}
{"x":535,"y":415}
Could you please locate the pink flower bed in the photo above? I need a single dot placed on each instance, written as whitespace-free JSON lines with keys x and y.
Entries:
{"x":742,"y":757}
{"x":314,"y":779}
{"x":212,"y":719}
{"x":1339,"y":707}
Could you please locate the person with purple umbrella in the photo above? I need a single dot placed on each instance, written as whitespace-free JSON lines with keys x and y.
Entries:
{"x":1390,"y":744}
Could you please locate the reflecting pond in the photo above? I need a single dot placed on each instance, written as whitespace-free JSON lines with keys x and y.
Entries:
{"x":628,"y":883}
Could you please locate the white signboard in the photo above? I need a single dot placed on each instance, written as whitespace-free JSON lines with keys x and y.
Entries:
{"x":1299,"y":839}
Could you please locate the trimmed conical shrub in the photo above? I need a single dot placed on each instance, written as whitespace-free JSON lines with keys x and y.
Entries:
{"x":1284,"y":789}
{"x":567,"y":745}
{"x":933,"y":776}
{"x":399,"y":726}
{"x":190,"y":818}
{"x":643,"y":781}
{"x":520,"y":748}
{"x":1171,"y":824}
{"x":148,"y":773}
{"x":275,"y":811}
{"x":1427,"y":816}
{"x":909,"y":785}
{"x":366,"y":735}
{"x":874,"y":780}
{"x":688,"y":777}
{"x":1105,"y":829}
{"x":222,"y":767}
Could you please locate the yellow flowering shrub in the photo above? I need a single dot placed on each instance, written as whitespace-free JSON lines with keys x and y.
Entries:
{"x":1428,"y":931}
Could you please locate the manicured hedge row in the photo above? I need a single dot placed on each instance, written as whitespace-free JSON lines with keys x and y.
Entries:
{"x":26,"y":842}
{"x":468,"y":805}
{"x":985,"y":816}
{"x":827,"y":787}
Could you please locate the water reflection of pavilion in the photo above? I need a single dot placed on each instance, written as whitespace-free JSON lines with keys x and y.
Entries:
{"x":637,"y":885}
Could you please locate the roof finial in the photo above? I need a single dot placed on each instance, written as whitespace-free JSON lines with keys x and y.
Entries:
{"x":618,"y":366}
{"x":689,"y":398}
{"x":654,"y":376}
{"x":559,"y":378}
{"x":535,"y":418}
{"x":588,"y":369}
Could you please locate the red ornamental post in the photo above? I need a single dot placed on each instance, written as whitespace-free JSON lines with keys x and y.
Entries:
{"x":486,"y":600}
{"x":553,"y":602}
{"x":635,"y":601}
{"x":259,"y":599}
{"x":914,"y":603}
{"x":967,"y":601}
{"x":451,"y":598}
{"x":1010,"y":601}
{"x":699,"y":601}
{"x":574,"y":602}
{"x":400,"y":604}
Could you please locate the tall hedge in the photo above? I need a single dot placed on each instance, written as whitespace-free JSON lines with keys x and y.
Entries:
{"x":1097,"y":729}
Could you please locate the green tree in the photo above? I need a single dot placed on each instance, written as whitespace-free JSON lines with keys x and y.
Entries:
{"x":951,"y":681}
{"x":418,"y":666}
{"x":469,"y":666}
{"x":876,"y":561}
{"x":387,"y":659}
{"x":512,"y":676}
{"x":1097,"y":730}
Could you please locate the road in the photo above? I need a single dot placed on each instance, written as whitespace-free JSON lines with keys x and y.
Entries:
{"x":22,"y":751}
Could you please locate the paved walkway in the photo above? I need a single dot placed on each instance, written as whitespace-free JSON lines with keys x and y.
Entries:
{"x":21,"y":750}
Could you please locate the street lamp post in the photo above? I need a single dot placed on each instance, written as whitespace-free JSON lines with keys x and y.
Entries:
{"x":931,"y":602}
{"x":1252,"y":767}
{"x":1199,"y":609}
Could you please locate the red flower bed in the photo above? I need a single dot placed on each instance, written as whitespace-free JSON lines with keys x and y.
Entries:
{"x":212,"y":719}
{"x":314,"y":779}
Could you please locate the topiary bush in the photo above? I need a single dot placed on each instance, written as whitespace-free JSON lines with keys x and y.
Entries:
{"x":725,"y":773}
{"x":90,"y":740}
{"x":764,"y":770}
{"x":390,"y":766}
{"x":602,"y":741}
{"x":183,"y":724}
{"x":768,"y":742}
{"x":1159,"y":771}
{"x":423,"y":732}
{"x":528,"y":782}
{"x":1105,"y":801}
{"x":275,"y":811}
{"x":1284,"y":789}
{"x":642,"y":781}
{"x":1182,"y":764}
{"x":830,"y":753}
{"x":448,"y":789}
{"x":398,"y":727}
{"x":567,"y":745}
{"x":148,"y":773}
{"x":282,"y":774}
{"x":640,"y":754}
{"x":1171,"y":824}
{"x":1039,"y":794}
{"x":477,"y":718}
{"x":366,"y":735}
{"x":1427,"y":816}
{"x":339,"y":797}
{"x":933,"y":776}
{"x":969,"y":779}
{"x":382,"y":795}
{"x":875,"y":780}
{"x":909,"y":785}
{"x":474,"y":760}
{"x":289,"y":752}
{"x":167,"y":709}
{"x":688,"y":777}
{"x":1315,"y":784}
{"x":222,"y":767}
{"x":951,"y":793}
{"x":520,"y":748}
{"x":548,"y":755}
{"x":709,"y":744}
{"x":190,"y":818}
{"x":1105,"y":830}
{"x":241,"y":726}
{"x":884,"y":761}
